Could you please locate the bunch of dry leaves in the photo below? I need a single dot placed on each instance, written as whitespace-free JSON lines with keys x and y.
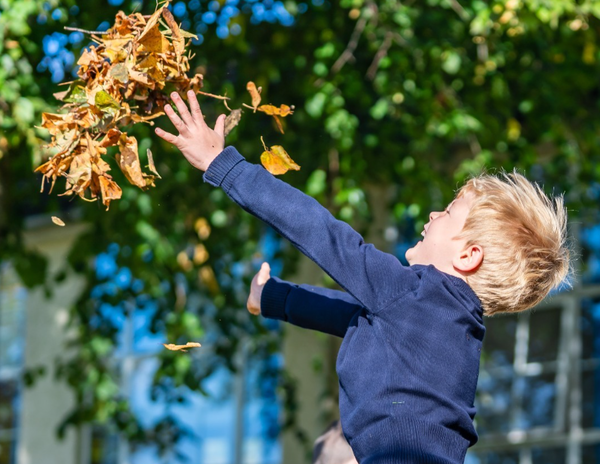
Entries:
{"x":123,"y":80}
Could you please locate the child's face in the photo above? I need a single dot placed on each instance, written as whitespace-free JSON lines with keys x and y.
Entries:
{"x":439,"y":247}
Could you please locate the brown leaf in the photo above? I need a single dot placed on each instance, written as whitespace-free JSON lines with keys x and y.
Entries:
{"x":109,"y":189}
{"x":151,"y":166}
{"x":119,"y":72}
{"x":232,"y":120}
{"x":58,"y":221}
{"x":276,"y":160}
{"x":151,"y":23}
{"x":254,"y":93}
{"x":154,"y":41}
{"x":129,"y":161}
{"x":178,"y":40}
{"x":172,"y":347}
{"x":111,"y":138}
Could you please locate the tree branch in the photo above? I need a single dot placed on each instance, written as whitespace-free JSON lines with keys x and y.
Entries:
{"x":76,"y":29}
{"x":460,"y":11}
{"x":383,"y":50}
{"x":348,"y":53}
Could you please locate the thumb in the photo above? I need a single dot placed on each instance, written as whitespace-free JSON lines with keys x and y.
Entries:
{"x":264,"y":274}
{"x":220,"y":125}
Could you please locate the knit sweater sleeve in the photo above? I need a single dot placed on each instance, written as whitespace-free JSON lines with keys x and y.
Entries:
{"x":328,"y":311}
{"x":371,"y":276}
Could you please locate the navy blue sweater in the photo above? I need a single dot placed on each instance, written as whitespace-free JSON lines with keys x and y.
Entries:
{"x":409,"y":361}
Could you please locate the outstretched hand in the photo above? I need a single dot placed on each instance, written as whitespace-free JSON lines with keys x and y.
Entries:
{"x":199,"y":143}
{"x":256,"y":288}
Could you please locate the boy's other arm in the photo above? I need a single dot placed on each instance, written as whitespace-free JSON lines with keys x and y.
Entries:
{"x":316,"y":308}
{"x":374,"y":278}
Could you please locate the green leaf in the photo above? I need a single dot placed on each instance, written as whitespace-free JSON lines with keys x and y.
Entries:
{"x":106,"y":103}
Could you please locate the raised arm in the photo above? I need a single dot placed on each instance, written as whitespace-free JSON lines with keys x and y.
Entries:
{"x":374,"y":278}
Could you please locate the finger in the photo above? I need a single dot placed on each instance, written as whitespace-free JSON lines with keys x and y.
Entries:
{"x":175,"y":119}
{"x":166,"y":135}
{"x":220,"y":126}
{"x":182,"y":108}
{"x":195,"y":106}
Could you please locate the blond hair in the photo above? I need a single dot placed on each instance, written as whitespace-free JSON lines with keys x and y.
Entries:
{"x":523,"y":234}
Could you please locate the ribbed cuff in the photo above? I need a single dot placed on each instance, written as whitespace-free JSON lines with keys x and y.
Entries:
{"x":221,"y":166}
{"x":272,"y":300}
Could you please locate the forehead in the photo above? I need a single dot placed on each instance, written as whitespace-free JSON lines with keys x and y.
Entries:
{"x":464,"y":199}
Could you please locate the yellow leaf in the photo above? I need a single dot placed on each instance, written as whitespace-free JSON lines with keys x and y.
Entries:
{"x":276,"y":160}
{"x":154,"y":41}
{"x":172,"y":347}
{"x":58,"y":221}
{"x":254,"y":93}
{"x":116,"y":50}
{"x":283,"y":110}
{"x":151,"y":23}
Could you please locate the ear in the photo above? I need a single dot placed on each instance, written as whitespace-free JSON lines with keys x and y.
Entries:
{"x":469,"y":259}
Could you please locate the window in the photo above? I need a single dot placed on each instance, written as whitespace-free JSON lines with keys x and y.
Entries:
{"x":538,"y":396}
{"x":12,"y":337}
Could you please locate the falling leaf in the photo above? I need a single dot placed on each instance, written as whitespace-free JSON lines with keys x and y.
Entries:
{"x":151,"y":166}
{"x":282,"y":110}
{"x":277,"y":112}
{"x":58,"y":221}
{"x":232,"y":120}
{"x":254,"y":93}
{"x":110,"y":190}
{"x":276,"y":160}
{"x":129,"y":161}
{"x":124,"y":79}
{"x":172,"y":347}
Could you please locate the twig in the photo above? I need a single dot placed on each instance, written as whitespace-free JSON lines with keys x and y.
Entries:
{"x":460,"y":11}
{"x":76,"y":29}
{"x":348,"y":53}
{"x":383,"y":49}
{"x":220,"y":97}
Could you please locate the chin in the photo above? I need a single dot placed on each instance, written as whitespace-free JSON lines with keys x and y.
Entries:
{"x":409,"y":256}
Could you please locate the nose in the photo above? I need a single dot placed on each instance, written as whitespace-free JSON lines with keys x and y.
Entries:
{"x":433,"y":215}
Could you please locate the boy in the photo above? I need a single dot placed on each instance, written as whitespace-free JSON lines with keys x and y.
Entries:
{"x":409,"y":361}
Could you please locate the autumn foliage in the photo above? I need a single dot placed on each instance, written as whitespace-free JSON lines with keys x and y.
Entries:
{"x":124,"y":79}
